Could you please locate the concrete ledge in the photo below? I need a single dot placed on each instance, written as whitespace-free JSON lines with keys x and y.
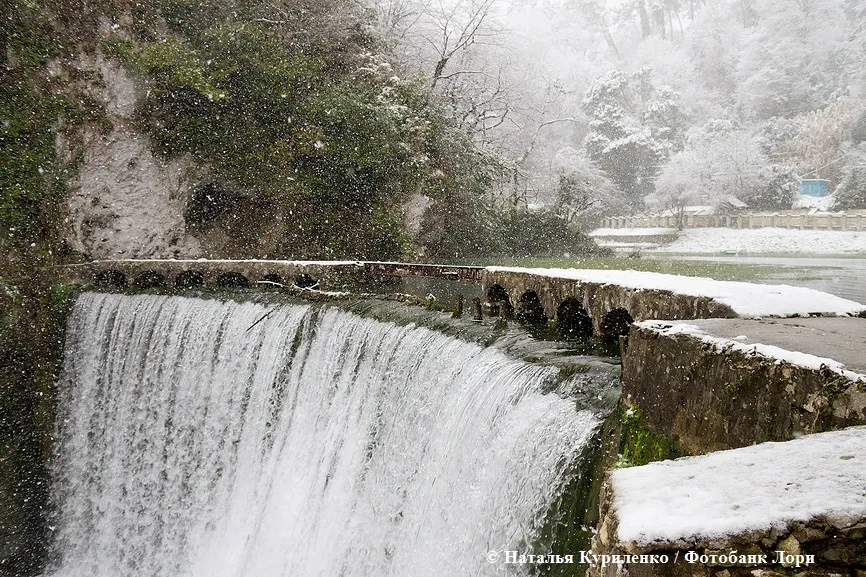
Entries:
{"x":329,"y":275}
{"x":802,"y":498}
{"x":713,"y":396}
{"x":743,"y":299}
{"x":605,"y":300}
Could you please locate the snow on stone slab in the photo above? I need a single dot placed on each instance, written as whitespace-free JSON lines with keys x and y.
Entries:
{"x":601,"y":232}
{"x":752,"y":489}
{"x":769,"y":351}
{"x":745,"y":299}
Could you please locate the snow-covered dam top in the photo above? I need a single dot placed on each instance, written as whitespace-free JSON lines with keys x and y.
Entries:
{"x":736,"y":298}
{"x":745,"y":299}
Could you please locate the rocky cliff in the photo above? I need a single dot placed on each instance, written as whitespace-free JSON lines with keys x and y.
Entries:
{"x":124,"y":202}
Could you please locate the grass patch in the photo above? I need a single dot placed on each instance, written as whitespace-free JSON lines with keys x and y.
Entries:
{"x":640,"y":445}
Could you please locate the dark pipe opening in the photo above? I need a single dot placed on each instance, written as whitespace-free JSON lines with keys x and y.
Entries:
{"x":110,"y":279}
{"x":497,"y":294}
{"x":572,"y":319}
{"x":530,"y":309}
{"x":615,"y":324}
{"x":189,"y":279}
{"x":305,"y":281}
{"x":148,"y":279}
{"x":232,"y":280}
{"x":497,"y":297}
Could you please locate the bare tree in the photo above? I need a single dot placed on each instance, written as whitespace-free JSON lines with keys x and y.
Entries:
{"x":398,"y":18}
{"x":535,"y":120}
{"x":455,"y":27}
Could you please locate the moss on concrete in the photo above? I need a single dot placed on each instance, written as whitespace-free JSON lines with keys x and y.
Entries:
{"x":640,"y":444}
{"x":571,"y":520}
{"x":32,"y":325}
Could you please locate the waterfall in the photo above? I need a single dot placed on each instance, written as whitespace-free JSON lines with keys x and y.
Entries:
{"x":209,"y":438}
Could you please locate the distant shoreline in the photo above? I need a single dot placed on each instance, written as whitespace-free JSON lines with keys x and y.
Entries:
{"x":733,"y":242}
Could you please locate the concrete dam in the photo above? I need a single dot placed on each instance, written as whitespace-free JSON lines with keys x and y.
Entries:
{"x":206,"y":428}
{"x":208,"y":437}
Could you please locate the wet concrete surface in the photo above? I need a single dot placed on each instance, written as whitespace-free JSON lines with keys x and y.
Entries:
{"x":842,"y":339}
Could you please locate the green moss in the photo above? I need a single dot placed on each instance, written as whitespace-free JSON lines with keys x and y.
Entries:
{"x":640,"y":444}
{"x":568,"y":371}
{"x":570,"y":521}
{"x":321,"y":157}
{"x":31,"y":343}
{"x":118,"y":48}
{"x":835,"y":385}
{"x":61,"y":298}
{"x":34,"y":106}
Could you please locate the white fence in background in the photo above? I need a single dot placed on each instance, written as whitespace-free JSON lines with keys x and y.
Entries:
{"x":850,"y":220}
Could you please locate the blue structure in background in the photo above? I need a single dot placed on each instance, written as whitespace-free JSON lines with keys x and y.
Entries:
{"x":814,"y":187}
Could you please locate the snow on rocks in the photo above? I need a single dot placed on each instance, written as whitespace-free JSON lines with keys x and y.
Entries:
{"x":745,"y":299}
{"x":769,"y":351}
{"x":766,"y":241}
{"x":749,"y":490}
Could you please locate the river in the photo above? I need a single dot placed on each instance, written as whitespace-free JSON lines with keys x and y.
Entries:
{"x":841,"y":276}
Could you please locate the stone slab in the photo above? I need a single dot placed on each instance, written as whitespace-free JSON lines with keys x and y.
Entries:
{"x":713,"y":392}
{"x":790,"y":509}
{"x":842,"y":339}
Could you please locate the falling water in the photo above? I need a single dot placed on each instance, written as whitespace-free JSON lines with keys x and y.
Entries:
{"x":222,"y":439}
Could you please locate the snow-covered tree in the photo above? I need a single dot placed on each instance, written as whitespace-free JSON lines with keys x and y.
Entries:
{"x":684,"y":181}
{"x":719,"y":160}
{"x":851,"y":192}
{"x":663,"y":115}
{"x":633,"y":129}
{"x":858,"y":129}
{"x":713,"y":45}
{"x":794,"y":59}
{"x":778,"y":192}
{"x":817,"y":149}
{"x":583,"y":193}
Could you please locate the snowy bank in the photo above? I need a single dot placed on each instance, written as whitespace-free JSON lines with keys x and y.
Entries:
{"x":620,"y":232}
{"x":747,"y":490}
{"x":745,"y":299}
{"x":753,"y":349}
{"x":767,"y":241}
{"x":629,"y":245}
